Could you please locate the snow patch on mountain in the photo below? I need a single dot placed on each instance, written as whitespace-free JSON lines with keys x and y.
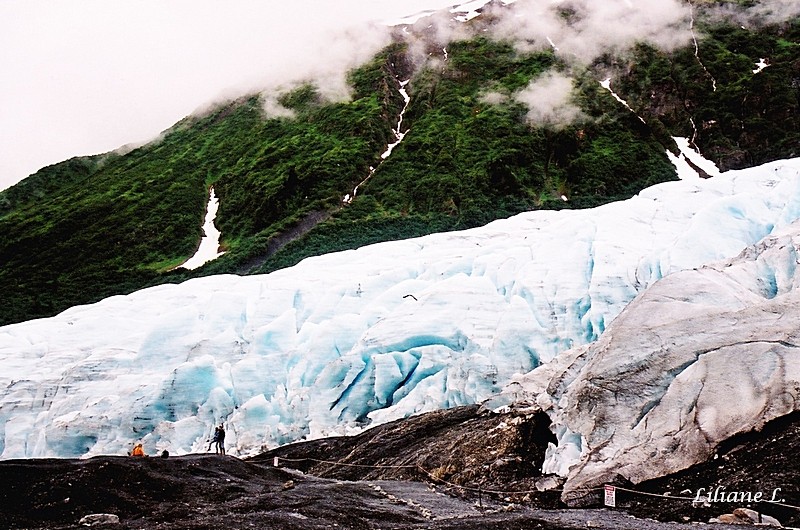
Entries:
{"x":760,"y":65}
{"x":368,"y":335}
{"x":689,"y":157}
{"x":209,"y":244}
{"x":606,"y":83}
{"x":463,"y":12}
{"x":398,"y":134}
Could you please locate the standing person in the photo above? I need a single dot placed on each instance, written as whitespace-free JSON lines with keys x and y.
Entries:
{"x":220,"y":435}
{"x":214,"y":440}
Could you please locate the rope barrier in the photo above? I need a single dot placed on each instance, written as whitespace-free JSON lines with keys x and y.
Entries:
{"x":373,"y":466}
{"x":498,"y":492}
{"x":783,"y":504}
{"x":664,"y":496}
{"x":469,"y":488}
{"x":503,"y":492}
{"x":425,"y":472}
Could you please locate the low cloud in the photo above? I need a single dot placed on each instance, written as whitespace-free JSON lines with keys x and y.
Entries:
{"x":582,"y":30}
{"x":86,"y":77}
{"x":772,"y":11}
{"x":761,"y":13}
{"x":493,"y":98}
{"x":428,"y":37}
{"x":549,"y":101}
{"x":273,"y":108}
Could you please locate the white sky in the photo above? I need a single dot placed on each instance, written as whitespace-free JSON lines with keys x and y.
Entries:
{"x":83,"y":77}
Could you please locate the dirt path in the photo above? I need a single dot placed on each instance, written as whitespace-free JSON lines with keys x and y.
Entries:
{"x":445,"y":512}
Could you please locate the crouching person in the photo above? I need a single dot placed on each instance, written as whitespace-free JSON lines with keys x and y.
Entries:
{"x":138,"y":450}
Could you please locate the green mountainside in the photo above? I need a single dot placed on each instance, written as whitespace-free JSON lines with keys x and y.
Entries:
{"x":92,"y":227}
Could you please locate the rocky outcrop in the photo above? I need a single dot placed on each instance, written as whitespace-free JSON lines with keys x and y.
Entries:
{"x":460,"y":446}
{"x":698,"y":357}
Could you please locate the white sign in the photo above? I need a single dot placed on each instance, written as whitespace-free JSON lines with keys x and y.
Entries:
{"x":610,"y":496}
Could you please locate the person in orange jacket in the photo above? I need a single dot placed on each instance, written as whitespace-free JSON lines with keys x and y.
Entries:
{"x":138,"y":450}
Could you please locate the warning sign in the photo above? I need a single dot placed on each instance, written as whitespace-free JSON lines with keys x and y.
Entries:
{"x":611,"y":496}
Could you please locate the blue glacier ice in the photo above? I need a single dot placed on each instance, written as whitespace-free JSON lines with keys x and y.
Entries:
{"x":351,"y":339}
{"x":699,"y":357}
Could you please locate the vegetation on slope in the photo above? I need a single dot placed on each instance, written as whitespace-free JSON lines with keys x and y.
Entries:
{"x":750,"y":118}
{"x":92,"y":227}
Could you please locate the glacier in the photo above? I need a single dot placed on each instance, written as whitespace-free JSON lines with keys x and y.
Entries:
{"x":700,"y":356}
{"x":351,"y":339}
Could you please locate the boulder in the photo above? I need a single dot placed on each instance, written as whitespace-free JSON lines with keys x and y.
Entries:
{"x":96,"y":519}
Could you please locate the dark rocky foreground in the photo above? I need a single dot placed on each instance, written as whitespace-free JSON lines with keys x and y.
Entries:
{"x":446,"y":461}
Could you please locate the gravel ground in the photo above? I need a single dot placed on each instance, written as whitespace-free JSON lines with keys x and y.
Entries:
{"x":205,"y":491}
